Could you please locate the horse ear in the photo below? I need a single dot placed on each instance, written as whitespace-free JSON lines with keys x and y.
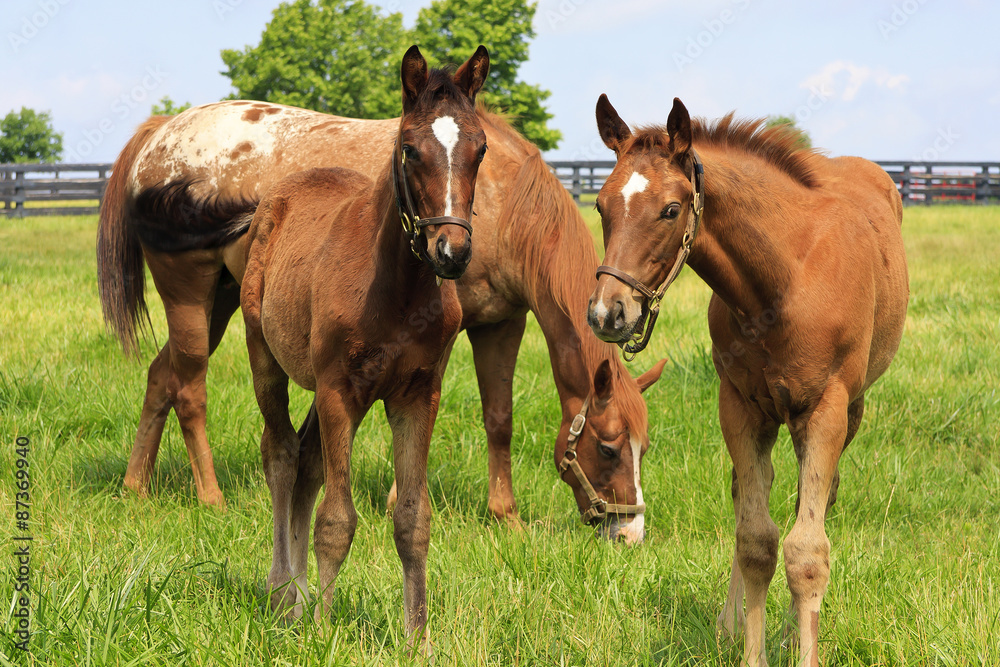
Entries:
{"x":414,"y":76}
{"x":613,"y":130}
{"x":471,"y":76}
{"x":647,"y":379}
{"x":603,"y":388}
{"x":679,"y":129}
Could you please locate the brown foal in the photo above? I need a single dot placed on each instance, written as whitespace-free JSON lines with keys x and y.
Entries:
{"x":805,"y":260}
{"x":341,"y":300}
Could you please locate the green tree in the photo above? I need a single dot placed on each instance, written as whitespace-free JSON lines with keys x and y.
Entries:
{"x":167,"y":107}
{"x":452,"y":29}
{"x":804,"y":140}
{"x":342,"y":57}
{"x":335,"y":56}
{"x":28,"y":137}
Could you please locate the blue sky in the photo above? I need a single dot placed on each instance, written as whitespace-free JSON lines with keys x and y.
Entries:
{"x":900,"y":79}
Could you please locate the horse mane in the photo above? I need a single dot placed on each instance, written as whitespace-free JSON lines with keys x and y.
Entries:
{"x":540,"y":226}
{"x":783,"y":146}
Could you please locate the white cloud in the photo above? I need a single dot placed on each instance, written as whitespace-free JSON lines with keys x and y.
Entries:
{"x":843,"y":80}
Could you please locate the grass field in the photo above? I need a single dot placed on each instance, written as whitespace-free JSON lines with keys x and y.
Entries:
{"x":164,"y":581}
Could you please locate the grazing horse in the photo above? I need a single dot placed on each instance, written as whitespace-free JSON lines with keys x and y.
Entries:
{"x":805,"y":260}
{"x":341,"y":300}
{"x":180,"y":180}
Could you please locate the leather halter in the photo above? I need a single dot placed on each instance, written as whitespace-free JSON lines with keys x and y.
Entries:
{"x":413,"y":224}
{"x":639,"y":339}
{"x":599,"y":509}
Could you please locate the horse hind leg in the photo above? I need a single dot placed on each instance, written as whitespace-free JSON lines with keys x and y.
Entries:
{"x":157,"y":402}
{"x":308,"y":482}
{"x":155,"y":409}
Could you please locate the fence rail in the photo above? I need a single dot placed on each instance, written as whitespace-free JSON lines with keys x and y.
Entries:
{"x":24,"y":183}
{"x":918,"y":183}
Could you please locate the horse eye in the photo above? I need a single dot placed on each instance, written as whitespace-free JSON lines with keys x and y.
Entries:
{"x":482,"y":153}
{"x":409,"y":152}
{"x":607,"y":451}
{"x":670,"y":212}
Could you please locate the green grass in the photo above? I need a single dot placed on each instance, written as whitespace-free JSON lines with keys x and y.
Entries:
{"x":122,"y":581}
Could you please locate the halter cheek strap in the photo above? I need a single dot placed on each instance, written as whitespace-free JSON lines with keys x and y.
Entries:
{"x":599,"y":509}
{"x":413,"y":224}
{"x":638,"y":341}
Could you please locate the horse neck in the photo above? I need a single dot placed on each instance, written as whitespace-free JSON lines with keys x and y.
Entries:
{"x":744,"y":249}
{"x":394,"y":262}
{"x":559,"y":301}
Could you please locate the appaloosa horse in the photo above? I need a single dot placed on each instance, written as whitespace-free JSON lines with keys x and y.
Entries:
{"x":805,"y":260}
{"x":180,"y":180}
{"x":337,"y":297}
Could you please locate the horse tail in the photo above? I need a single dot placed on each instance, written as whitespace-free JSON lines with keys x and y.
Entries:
{"x":121,"y":276}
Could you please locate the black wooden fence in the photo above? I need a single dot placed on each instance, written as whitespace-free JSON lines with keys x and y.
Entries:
{"x":918,"y":182}
{"x":25,"y":189}
{"x":51,"y":183}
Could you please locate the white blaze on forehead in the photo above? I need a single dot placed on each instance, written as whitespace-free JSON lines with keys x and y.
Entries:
{"x":636,"y":183}
{"x":446,"y":131}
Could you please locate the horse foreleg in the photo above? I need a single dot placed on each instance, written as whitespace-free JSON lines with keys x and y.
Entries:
{"x":412,"y":419}
{"x":820,"y":439}
{"x":732,"y":619}
{"x":336,"y":518}
{"x":494,"y":350}
{"x":155,"y":409}
{"x":749,"y":437}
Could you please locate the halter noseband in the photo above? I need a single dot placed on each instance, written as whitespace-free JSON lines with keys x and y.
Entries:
{"x":599,"y":509}
{"x":638,"y":341}
{"x":413,"y":224}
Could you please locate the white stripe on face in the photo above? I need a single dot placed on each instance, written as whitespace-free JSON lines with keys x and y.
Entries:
{"x":636,"y":183}
{"x":634,"y":531}
{"x":446,"y":131}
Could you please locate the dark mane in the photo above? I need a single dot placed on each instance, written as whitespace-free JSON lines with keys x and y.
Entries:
{"x":780,"y":145}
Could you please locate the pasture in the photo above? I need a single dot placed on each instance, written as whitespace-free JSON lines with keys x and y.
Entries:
{"x":118,"y":580}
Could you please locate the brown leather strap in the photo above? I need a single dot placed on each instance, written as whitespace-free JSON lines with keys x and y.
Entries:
{"x":413,"y":223}
{"x":625,"y":278}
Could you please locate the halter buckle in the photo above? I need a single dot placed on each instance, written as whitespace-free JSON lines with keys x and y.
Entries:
{"x":576,"y":428}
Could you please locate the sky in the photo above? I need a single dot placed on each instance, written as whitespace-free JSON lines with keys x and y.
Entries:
{"x":886,"y":80}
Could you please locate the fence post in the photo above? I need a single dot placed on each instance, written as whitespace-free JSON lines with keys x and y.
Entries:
{"x":576,"y":183}
{"x":19,"y":197}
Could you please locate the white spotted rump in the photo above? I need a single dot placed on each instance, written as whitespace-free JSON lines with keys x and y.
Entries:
{"x":446,"y":131}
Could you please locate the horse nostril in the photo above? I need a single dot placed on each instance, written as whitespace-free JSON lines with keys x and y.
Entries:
{"x":619,"y":315}
{"x":464,"y":252}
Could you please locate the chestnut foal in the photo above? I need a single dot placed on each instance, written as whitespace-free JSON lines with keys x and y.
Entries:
{"x":805,"y":260}
{"x":341,"y":300}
